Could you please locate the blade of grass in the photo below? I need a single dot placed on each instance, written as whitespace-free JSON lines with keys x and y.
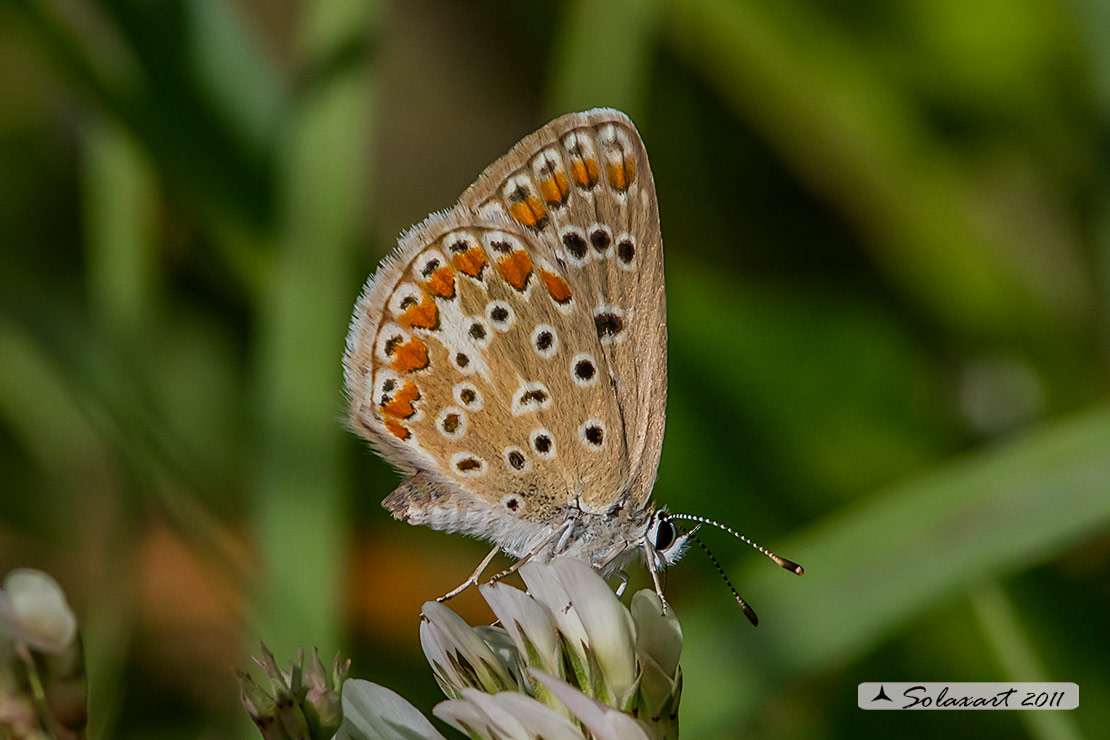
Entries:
{"x":858,"y":139}
{"x":232,"y":73}
{"x":298,"y":514}
{"x":876,"y":565}
{"x":118,"y":210}
{"x":118,"y":213}
{"x":619,"y":38}
{"x":119,"y":58}
{"x":40,"y":411}
{"x":1002,"y":630}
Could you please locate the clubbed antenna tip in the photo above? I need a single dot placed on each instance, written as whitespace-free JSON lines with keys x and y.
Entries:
{"x":789,"y":565}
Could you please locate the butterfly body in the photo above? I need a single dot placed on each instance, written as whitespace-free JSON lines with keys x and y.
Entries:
{"x":509,"y":357}
{"x":608,"y":538}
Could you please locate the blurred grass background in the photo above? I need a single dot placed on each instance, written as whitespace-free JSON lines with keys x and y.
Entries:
{"x":887,"y":230}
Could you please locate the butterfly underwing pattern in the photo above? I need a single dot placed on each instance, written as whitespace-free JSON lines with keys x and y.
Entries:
{"x":509,"y":357}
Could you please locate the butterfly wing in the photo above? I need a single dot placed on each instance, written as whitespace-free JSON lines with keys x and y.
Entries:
{"x":510,"y":371}
{"x":583,"y":186}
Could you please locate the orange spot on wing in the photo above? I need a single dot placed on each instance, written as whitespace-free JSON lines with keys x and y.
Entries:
{"x":412,"y":355}
{"x":556,"y":286}
{"x":584,"y":172}
{"x":529,"y":211}
{"x":555,"y":188}
{"x":397,"y":429}
{"x":621,"y":174}
{"x":471,"y":262}
{"x":424,"y":314}
{"x":401,"y":403}
{"x":516,"y":268}
{"x":442,"y":282}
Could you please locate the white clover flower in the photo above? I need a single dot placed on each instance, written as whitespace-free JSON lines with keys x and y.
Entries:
{"x":567,"y":660}
{"x":42,"y":671}
{"x":371,"y":711}
{"x":34,"y":610}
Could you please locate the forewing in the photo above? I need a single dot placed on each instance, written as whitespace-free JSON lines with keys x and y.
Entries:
{"x":582,"y":186}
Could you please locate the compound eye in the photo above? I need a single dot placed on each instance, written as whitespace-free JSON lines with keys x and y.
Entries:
{"x":664,"y":535}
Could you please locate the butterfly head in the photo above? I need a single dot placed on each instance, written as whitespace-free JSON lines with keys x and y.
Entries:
{"x":665,"y":541}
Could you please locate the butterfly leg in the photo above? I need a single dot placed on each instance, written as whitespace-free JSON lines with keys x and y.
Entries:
{"x":602,"y":565}
{"x":472,"y":580}
{"x":653,"y":568}
{"x":558,"y":531}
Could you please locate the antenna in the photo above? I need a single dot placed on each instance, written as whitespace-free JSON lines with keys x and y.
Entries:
{"x":748,"y":611}
{"x":789,"y":565}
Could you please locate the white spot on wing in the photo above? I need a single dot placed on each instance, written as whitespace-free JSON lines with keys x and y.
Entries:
{"x":600,"y":234}
{"x":543,"y":443}
{"x":494,"y":310}
{"x":492,"y":209}
{"x":545,"y":334}
{"x":458,"y":242}
{"x":448,"y":415}
{"x":401,"y":295}
{"x":592,"y":434}
{"x":468,"y":465}
{"x":530,"y":397}
{"x":575,"y":249}
{"x":391,"y":335}
{"x":628,"y":238}
{"x":514,"y":456}
{"x":427,"y":262}
{"x":584,"y":370}
{"x":454,"y":335}
{"x":463,"y":388}
{"x":619,"y":335}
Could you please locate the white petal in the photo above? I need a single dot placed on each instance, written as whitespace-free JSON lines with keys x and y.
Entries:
{"x":502,"y":646}
{"x":465,"y":717}
{"x":505,"y":724}
{"x":507,"y":715}
{"x":437,"y":651}
{"x":656,"y":689}
{"x":444,"y":634}
{"x":33,"y":609}
{"x":606,"y":621}
{"x":603,"y":722}
{"x":658,"y":635}
{"x":526,"y":622}
{"x":372,"y":712}
{"x":544,"y":586}
{"x":539,"y":720}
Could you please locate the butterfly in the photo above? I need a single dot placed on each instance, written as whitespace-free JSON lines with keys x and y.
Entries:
{"x":510,"y":355}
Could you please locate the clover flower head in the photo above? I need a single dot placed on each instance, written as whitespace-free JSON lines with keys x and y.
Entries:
{"x":34,"y":611}
{"x":566,"y":659}
{"x":43,"y":687}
